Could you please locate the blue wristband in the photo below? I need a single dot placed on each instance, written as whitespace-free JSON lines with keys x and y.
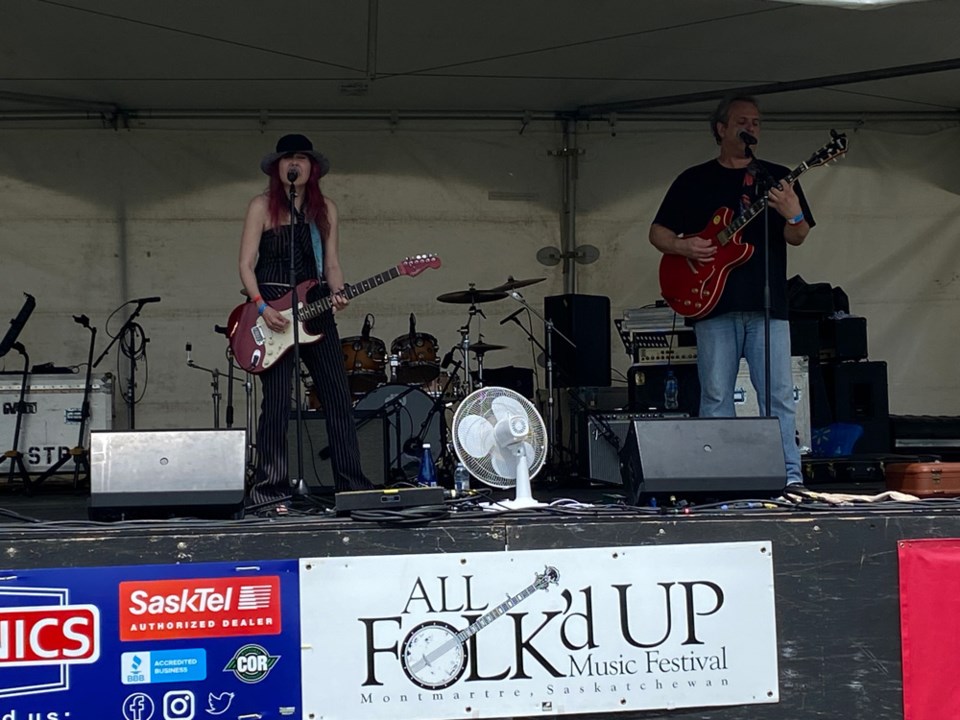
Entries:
{"x":795,"y":220}
{"x":261,"y":308}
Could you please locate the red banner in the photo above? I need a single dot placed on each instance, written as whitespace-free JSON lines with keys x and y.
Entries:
{"x":930,"y":627}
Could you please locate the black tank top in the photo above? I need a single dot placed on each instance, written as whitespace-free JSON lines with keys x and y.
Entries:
{"x":273,"y":261}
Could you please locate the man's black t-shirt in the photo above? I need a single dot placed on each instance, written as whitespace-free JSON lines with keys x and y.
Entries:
{"x":690,"y":204}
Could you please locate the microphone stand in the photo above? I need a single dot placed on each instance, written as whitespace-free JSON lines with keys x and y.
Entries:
{"x":79,"y":453}
{"x":549,"y":330}
{"x":768,"y":181}
{"x":215,"y":384}
{"x":295,"y":482}
{"x":129,"y":328}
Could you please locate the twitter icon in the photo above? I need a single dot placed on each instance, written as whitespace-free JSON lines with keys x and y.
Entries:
{"x":219,"y":704}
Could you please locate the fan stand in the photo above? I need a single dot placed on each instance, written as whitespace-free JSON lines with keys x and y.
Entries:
{"x":524,"y":497}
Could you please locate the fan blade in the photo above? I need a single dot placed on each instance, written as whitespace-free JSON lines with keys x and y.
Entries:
{"x":504,"y":463}
{"x":504,"y":407}
{"x":475,"y":435}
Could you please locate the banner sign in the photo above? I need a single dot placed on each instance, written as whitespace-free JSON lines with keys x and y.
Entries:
{"x":151,"y":642}
{"x":545,"y":632}
{"x":929,"y":623}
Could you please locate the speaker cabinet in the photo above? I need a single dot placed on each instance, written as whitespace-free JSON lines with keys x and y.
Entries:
{"x":585,"y":319}
{"x":704,"y":458}
{"x":317,"y":469}
{"x":601,"y":438}
{"x":167,"y":473}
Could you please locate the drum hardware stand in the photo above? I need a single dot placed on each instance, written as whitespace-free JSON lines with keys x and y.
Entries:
{"x":416,"y":443}
{"x":127,"y":337}
{"x":465,"y":343}
{"x":549,"y":330}
{"x":79,"y":454}
{"x":17,"y":467}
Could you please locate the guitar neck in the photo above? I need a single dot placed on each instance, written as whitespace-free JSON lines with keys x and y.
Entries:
{"x":315,"y":309}
{"x":499,"y":610}
{"x":725,"y":235}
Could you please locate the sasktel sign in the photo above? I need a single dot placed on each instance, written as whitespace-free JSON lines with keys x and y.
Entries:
{"x":198,"y":608}
{"x":49,"y":635}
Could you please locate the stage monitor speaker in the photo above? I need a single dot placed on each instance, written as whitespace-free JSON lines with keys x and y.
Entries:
{"x":602,"y":437}
{"x":317,"y":469}
{"x":585,"y":319}
{"x":167,"y":473}
{"x":706,"y":458}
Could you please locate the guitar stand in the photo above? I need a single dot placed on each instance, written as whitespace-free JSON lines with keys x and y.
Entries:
{"x":17,"y":466}
{"x":79,"y":453}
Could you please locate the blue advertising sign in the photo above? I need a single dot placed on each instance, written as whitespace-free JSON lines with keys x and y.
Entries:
{"x":151,"y":642}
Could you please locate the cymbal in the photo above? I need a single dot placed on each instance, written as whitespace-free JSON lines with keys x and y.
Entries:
{"x":512,"y":284}
{"x":482,"y":347}
{"x":472,"y":296}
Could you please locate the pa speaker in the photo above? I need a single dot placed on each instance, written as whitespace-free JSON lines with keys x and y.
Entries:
{"x":585,"y":320}
{"x":317,"y":470}
{"x":703,"y":458}
{"x":167,"y":473}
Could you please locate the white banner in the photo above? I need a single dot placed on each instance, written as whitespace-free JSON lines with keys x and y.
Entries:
{"x":542,"y":632}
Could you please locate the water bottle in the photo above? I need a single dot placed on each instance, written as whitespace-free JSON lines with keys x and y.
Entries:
{"x":427,"y":476}
{"x":461,"y":478}
{"x":670,"y":391}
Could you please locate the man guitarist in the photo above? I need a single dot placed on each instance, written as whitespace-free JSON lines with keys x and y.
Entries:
{"x":735,"y":327}
{"x":264,"y":270}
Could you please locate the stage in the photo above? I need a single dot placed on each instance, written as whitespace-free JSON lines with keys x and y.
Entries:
{"x":835,"y":567}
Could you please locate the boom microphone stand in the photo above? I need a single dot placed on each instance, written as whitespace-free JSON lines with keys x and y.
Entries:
{"x":549,"y":330}
{"x":128,"y":334}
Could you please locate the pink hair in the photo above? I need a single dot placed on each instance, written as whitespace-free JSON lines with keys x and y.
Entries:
{"x":314,"y":208}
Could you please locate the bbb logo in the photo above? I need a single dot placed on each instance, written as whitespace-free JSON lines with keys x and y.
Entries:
{"x":179,"y":705}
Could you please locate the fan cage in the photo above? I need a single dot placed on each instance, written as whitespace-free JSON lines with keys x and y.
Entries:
{"x":480,"y":402}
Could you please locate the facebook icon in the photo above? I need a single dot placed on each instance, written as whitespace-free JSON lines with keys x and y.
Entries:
{"x":138,"y":706}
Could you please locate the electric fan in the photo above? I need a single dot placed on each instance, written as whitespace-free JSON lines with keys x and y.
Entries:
{"x":501,"y":438}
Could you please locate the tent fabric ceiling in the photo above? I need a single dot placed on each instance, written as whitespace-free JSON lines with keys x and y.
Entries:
{"x":61,"y":58}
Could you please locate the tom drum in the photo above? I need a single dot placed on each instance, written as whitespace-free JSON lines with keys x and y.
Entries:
{"x":418,"y":358}
{"x":364,"y":359}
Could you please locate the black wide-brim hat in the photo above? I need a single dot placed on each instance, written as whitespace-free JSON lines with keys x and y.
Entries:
{"x":291,"y":144}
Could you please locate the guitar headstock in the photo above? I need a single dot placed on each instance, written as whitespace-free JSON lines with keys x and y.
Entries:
{"x":833,"y":150}
{"x":549,"y":576}
{"x":418,"y":263}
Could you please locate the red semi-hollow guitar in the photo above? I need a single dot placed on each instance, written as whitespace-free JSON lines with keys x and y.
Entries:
{"x":256,"y":347}
{"x":693,"y":288}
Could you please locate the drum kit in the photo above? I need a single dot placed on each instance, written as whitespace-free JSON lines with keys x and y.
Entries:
{"x":413,"y":375}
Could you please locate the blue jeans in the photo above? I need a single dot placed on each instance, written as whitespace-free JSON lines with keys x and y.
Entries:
{"x":721,"y":342}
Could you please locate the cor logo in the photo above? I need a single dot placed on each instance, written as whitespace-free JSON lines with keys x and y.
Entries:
{"x":251,"y":663}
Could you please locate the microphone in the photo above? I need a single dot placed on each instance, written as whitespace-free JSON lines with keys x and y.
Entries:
{"x":189,"y":354}
{"x":365,"y":331}
{"x":747,"y":138}
{"x":512,"y":315}
{"x":82,"y":320}
{"x":144,"y":301}
{"x":447,"y":359}
{"x":292,"y":174}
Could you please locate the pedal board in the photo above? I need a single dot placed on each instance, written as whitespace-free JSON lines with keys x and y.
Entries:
{"x":387,"y":499}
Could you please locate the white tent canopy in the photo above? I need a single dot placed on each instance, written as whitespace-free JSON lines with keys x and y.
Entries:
{"x":130,"y":137}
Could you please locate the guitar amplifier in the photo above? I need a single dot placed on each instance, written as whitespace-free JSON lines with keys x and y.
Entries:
{"x":602,"y":436}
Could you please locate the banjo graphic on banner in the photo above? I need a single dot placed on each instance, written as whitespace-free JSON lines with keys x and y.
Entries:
{"x":616,"y":629}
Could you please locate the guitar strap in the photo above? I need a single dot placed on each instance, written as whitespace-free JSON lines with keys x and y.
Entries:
{"x":317,"y":248}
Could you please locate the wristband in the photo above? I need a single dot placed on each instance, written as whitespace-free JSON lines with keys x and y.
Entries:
{"x":257,"y":299}
{"x":795,"y":220}
{"x":261,"y":308}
